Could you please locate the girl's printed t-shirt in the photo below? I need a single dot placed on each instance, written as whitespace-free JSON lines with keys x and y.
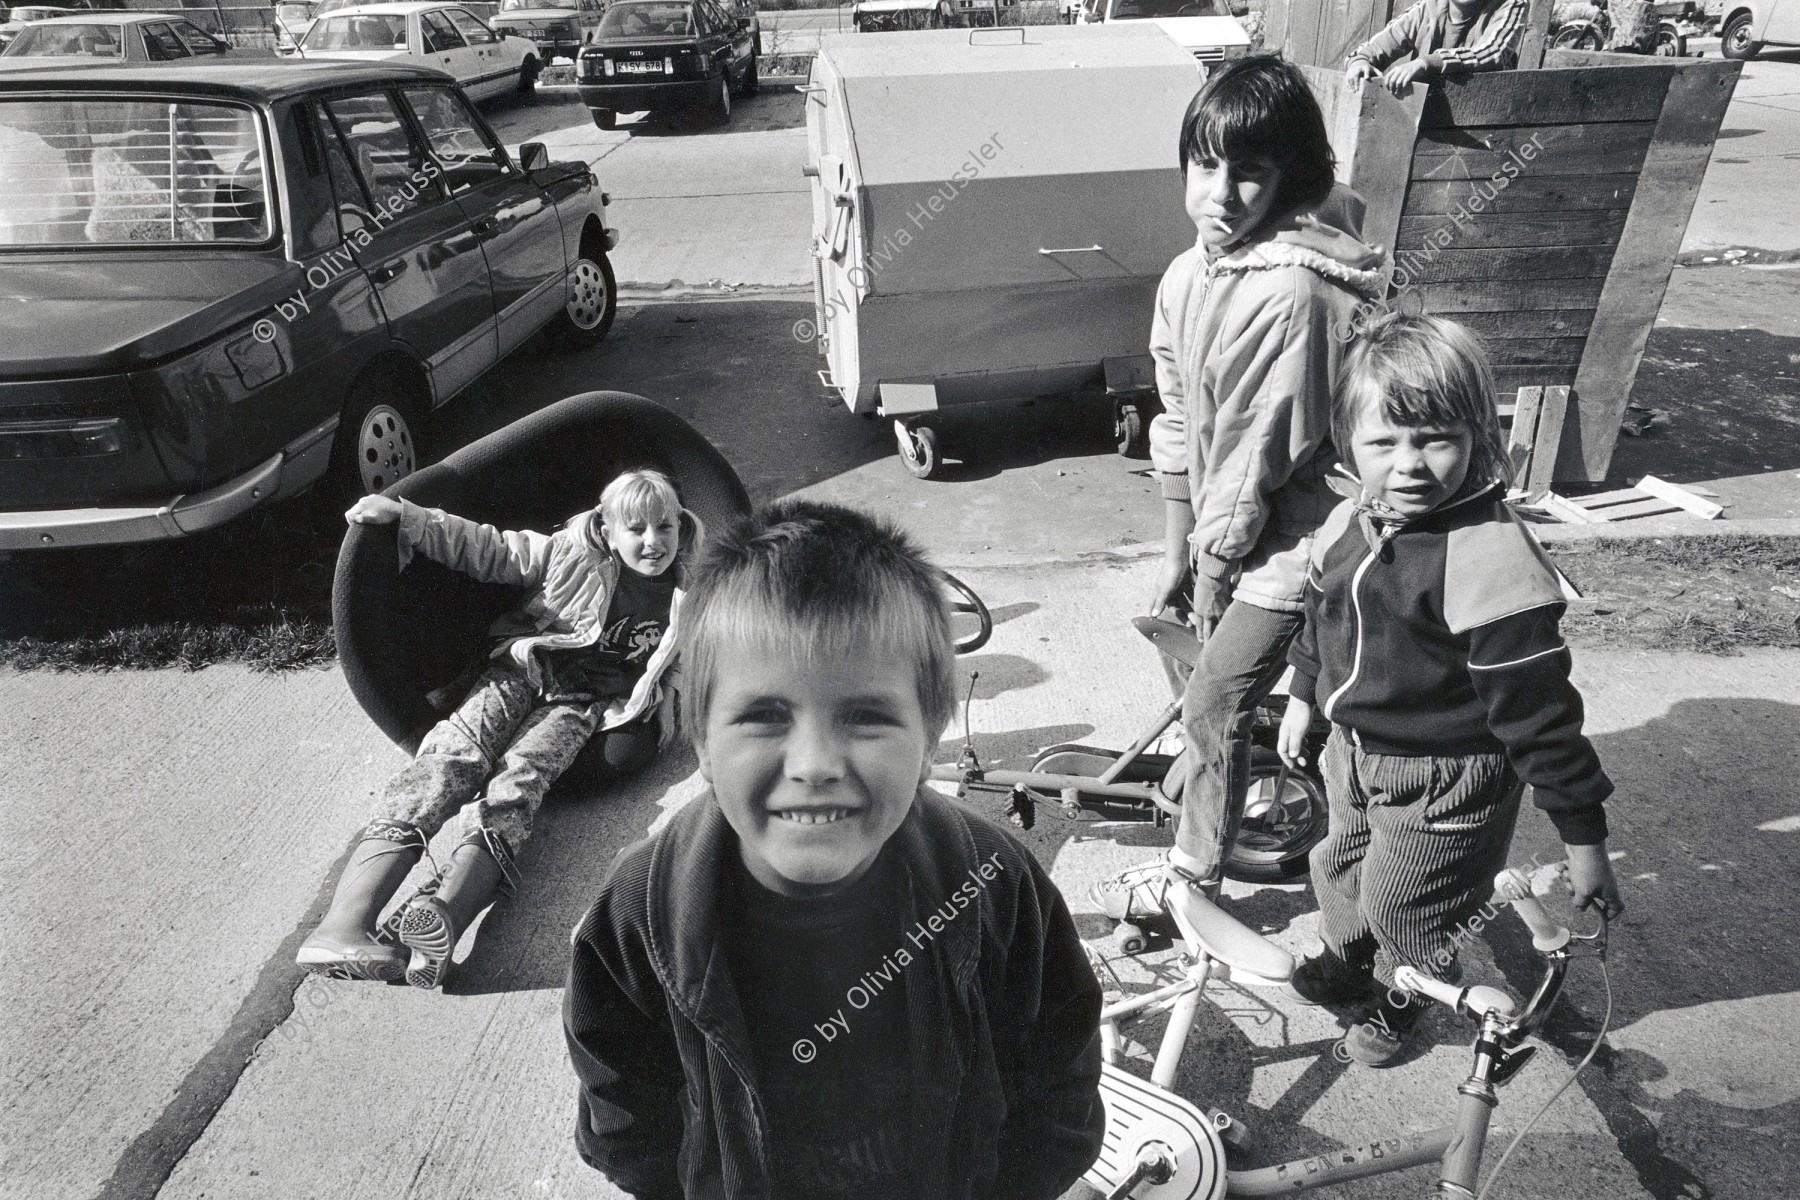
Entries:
{"x":636,"y":621}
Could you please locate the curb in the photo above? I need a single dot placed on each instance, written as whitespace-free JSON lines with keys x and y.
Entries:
{"x":1665,"y":527}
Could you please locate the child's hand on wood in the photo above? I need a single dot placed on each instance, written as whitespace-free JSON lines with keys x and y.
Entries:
{"x":1403,"y":75}
{"x":374,"y":510}
{"x":1360,"y":69}
{"x":1591,"y":880}
{"x":1290,"y":742}
{"x":1171,"y":582}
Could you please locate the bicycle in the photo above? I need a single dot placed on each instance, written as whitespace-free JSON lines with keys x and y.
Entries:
{"x":1159,"y":1146}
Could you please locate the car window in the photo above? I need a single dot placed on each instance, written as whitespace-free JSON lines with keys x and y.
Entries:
{"x":648,"y":18}
{"x":161,"y":44}
{"x":390,"y":164}
{"x":370,"y":31}
{"x":85,"y":41}
{"x":440,"y":36}
{"x":456,"y":138}
{"x":354,"y":207}
{"x":473,"y":31}
{"x":87,"y":170}
{"x":198,"y":40}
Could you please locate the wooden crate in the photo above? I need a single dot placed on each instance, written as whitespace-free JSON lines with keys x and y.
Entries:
{"x":1541,"y":207}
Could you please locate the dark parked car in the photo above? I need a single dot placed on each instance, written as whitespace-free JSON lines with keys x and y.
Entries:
{"x":661,"y":54}
{"x":221,"y":284}
{"x":117,"y":37}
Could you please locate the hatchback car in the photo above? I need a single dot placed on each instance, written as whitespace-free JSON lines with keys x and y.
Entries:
{"x":655,"y":55}
{"x":222,"y":284}
{"x":116,"y":37}
{"x":445,"y":36}
{"x":559,"y":28}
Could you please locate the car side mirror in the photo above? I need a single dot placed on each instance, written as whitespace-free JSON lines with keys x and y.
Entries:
{"x":533,"y":156}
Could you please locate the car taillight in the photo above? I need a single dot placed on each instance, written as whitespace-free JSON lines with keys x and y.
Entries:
{"x":668,"y":64}
{"x":609,"y":67}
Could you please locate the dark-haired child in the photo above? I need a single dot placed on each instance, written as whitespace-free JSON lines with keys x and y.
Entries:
{"x":1446,"y":39}
{"x":584,"y":654}
{"x":1432,"y":644}
{"x":822,"y":980}
{"x":1246,"y":338}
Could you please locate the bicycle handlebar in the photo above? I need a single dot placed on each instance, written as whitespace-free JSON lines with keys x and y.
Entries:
{"x":1547,"y":934}
{"x":1475,"y":1001}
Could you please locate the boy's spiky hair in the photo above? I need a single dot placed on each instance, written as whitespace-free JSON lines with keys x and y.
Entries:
{"x":810,"y":579}
{"x":1260,"y":105}
{"x":1422,"y":370}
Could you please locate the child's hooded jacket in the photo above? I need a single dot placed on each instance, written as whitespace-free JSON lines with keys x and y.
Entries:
{"x":1438,"y":636}
{"x":1491,"y":43}
{"x":1003,"y":1009}
{"x":1247,"y":347}
{"x":573,"y":575}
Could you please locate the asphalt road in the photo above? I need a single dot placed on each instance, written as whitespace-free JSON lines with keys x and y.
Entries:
{"x":167,"y":838}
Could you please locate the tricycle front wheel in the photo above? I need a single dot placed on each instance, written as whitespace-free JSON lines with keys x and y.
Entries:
{"x":918,"y":449}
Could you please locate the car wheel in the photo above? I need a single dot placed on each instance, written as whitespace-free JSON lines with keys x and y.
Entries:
{"x":721,"y":105}
{"x":377,"y":438}
{"x":592,"y":304}
{"x":1669,"y":42}
{"x":528,"y":75}
{"x":605,"y":118}
{"x":1734,"y":39}
{"x":752,"y":80}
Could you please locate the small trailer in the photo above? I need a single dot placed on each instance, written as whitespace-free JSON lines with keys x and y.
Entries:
{"x":992,"y":211}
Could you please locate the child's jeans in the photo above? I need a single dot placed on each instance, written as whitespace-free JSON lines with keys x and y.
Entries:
{"x":505,"y":736}
{"x":1239,"y":662}
{"x":1411,"y":854}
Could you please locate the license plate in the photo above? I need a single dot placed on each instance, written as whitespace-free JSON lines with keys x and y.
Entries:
{"x":640,"y":68}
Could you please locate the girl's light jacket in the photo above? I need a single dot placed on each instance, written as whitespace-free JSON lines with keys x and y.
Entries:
{"x":1247,"y":347}
{"x":572,"y":574}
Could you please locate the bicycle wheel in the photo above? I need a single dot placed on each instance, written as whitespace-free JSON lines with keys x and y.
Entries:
{"x":1278,"y":830}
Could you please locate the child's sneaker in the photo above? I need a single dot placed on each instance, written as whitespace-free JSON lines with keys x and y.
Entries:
{"x":1138,"y":893}
{"x":1378,"y":1040}
{"x":1327,"y":979}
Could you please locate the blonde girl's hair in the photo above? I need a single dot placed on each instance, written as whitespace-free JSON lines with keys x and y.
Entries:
{"x":645,"y":494}
{"x":1422,"y":370}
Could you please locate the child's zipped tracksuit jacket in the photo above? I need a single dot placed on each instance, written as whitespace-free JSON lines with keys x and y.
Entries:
{"x":1439,"y":636}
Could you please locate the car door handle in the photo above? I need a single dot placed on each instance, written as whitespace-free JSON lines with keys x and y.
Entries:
{"x":385,"y":272}
{"x":486,"y":227}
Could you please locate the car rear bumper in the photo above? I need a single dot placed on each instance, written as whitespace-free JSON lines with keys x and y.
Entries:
{"x":637,"y":96}
{"x":301,"y":463}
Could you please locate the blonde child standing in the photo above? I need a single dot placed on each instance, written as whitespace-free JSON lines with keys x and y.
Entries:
{"x":1432,"y":645}
{"x":588,"y":651}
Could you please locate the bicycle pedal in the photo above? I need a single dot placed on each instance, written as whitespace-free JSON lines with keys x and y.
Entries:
{"x":1509,"y":1066}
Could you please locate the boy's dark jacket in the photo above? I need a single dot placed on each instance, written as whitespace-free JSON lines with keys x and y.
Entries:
{"x":1003,"y":1001}
{"x":1439,"y":636}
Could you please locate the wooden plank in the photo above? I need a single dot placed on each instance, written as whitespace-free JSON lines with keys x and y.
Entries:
{"x":1632,"y":510}
{"x":1386,"y":129}
{"x":1523,"y":435}
{"x":1632,"y":90}
{"x":1552,"y":417}
{"x":1528,"y":193}
{"x":1681,"y":497}
{"x":1510,"y":379}
{"x":1529,"y":323}
{"x":1536,"y":35}
{"x":1569,"y":514}
{"x":1500,"y":230}
{"x":1602,"y":499}
{"x":1535,"y":352}
{"x":1477,"y":153}
{"x":1508,"y":295}
{"x":1698,"y":93}
{"x":1431,"y":265}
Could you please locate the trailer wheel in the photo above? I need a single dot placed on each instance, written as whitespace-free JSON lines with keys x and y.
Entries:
{"x":1128,"y":430}
{"x":918,"y":448}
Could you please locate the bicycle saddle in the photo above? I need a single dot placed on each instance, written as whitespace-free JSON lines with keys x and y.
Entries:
{"x":1228,"y":939}
{"x":1176,"y":641}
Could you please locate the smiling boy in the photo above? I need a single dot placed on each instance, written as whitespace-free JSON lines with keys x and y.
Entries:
{"x":822,"y":979}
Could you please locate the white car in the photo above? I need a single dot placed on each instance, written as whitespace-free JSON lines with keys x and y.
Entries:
{"x":1751,"y":25}
{"x":445,"y":36}
{"x":1203,"y":30}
